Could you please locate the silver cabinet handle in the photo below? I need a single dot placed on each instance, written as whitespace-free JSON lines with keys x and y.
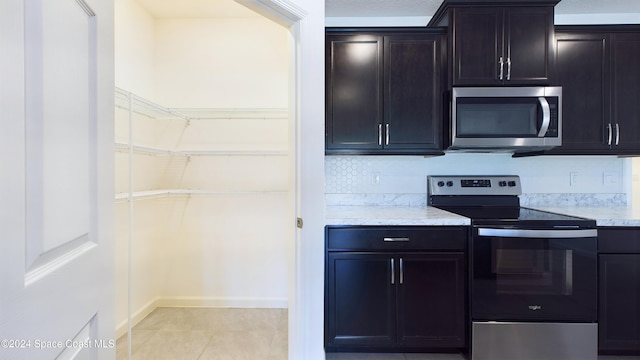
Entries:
{"x":401,"y":272}
{"x":610,"y":134}
{"x":508,"y":68}
{"x":527,"y":233}
{"x":393,"y":273}
{"x":380,"y":134}
{"x":546,"y":116}
{"x":386,"y":141}
{"x":501,"y":62}
{"x":396,"y":239}
{"x":617,"y":134}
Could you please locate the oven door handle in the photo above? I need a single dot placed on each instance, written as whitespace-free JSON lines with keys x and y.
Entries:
{"x":547,"y":233}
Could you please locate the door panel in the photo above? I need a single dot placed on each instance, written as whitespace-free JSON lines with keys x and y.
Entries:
{"x":528,"y":32}
{"x":431,"y":300}
{"x":478,"y":43}
{"x":61,"y":126}
{"x":412,"y":92}
{"x":625,"y":77}
{"x":57,"y":250}
{"x":362,"y":299}
{"x":619,"y":315}
{"x":354,"y":92}
{"x":582,"y":71}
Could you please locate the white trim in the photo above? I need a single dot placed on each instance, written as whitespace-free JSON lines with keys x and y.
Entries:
{"x":222,"y":302}
{"x":283,"y":12}
{"x":143,"y":312}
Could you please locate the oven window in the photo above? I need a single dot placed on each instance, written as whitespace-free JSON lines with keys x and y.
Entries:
{"x":534,"y":278}
{"x":532,"y":271}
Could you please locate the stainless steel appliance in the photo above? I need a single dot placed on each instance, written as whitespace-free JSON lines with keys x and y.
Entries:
{"x":517,"y":119}
{"x":533,"y":274}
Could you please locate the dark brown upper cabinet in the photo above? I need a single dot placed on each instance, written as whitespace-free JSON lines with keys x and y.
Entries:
{"x":497,"y":43}
{"x":384,"y":92}
{"x":597,"y":69}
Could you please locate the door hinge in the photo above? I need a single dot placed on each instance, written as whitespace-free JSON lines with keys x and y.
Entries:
{"x":299,"y":222}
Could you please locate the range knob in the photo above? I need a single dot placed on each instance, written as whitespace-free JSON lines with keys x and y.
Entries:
{"x":440,"y":183}
{"x":502,"y":183}
{"x":449,"y":183}
{"x":512,"y":183}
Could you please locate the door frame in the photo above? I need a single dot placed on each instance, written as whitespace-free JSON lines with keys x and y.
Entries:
{"x":306,"y":98}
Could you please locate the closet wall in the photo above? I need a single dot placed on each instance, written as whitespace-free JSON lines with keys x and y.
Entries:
{"x":211,"y":182}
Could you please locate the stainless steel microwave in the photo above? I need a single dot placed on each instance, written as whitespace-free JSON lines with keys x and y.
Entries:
{"x":506,"y":118}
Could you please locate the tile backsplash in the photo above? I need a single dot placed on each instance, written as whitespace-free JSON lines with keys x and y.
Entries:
{"x":546,"y":180}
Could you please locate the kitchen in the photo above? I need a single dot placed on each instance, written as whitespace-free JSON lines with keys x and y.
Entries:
{"x":368,"y":182}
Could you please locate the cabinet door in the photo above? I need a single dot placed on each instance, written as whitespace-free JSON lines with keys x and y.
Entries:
{"x":431,"y":306}
{"x":354,"y":92}
{"x":412,"y":93}
{"x":361,"y":300}
{"x":582,"y":70}
{"x":477,"y":46}
{"x":619,"y":314}
{"x":529,"y":46}
{"x":625,"y":95}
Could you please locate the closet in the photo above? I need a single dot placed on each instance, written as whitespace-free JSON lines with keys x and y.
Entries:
{"x":204,"y":170}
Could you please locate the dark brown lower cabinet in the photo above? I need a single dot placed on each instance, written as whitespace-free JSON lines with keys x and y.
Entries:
{"x":619,"y":308}
{"x":381,"y":299}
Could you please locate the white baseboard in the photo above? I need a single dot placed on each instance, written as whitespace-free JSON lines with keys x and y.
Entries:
{"x":184,"y":301}
{"x":136,"y":317}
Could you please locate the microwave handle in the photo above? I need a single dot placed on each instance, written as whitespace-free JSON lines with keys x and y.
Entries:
{"x":546,"y":116}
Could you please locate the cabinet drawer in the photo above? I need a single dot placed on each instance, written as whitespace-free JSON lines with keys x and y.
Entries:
{"x":619,"y":240}
{"x":395,"y":238}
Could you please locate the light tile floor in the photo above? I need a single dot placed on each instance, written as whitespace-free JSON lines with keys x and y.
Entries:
{"x":208,"y":334}
{"x":234,"y":334}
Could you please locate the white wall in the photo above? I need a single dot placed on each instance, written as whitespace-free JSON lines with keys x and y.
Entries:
{"x":134,"y":48}
{"x":222,"y":63}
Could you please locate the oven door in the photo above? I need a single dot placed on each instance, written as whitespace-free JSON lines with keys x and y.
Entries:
{"x":534,"y":275}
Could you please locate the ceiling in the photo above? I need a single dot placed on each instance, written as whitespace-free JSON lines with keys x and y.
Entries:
{"x":363,"y":8}
{"x":385,"y":8}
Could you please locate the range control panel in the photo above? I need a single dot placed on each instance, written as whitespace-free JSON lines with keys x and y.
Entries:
{"x":474,"y":185}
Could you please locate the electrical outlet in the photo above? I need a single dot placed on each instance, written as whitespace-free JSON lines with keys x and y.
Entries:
{"x":573,"y":178}
{"x":375,"y":179}
{"x":610,"y":178}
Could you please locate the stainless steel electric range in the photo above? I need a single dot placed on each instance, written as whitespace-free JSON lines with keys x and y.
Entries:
{"x":533,"y":274}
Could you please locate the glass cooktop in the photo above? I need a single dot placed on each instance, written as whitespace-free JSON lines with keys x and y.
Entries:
{"x":511,"y":214}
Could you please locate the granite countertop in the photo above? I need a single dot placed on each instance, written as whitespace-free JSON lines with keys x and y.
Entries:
{"x":603,"y":215}
{"x":430,"y":216}
{"x":392,"y":215}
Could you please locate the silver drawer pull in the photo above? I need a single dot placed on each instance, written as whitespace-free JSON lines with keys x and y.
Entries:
{"x":396,"y":239}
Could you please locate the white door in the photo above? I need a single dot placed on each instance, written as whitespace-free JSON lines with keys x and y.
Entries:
{"x":56,"y":179}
